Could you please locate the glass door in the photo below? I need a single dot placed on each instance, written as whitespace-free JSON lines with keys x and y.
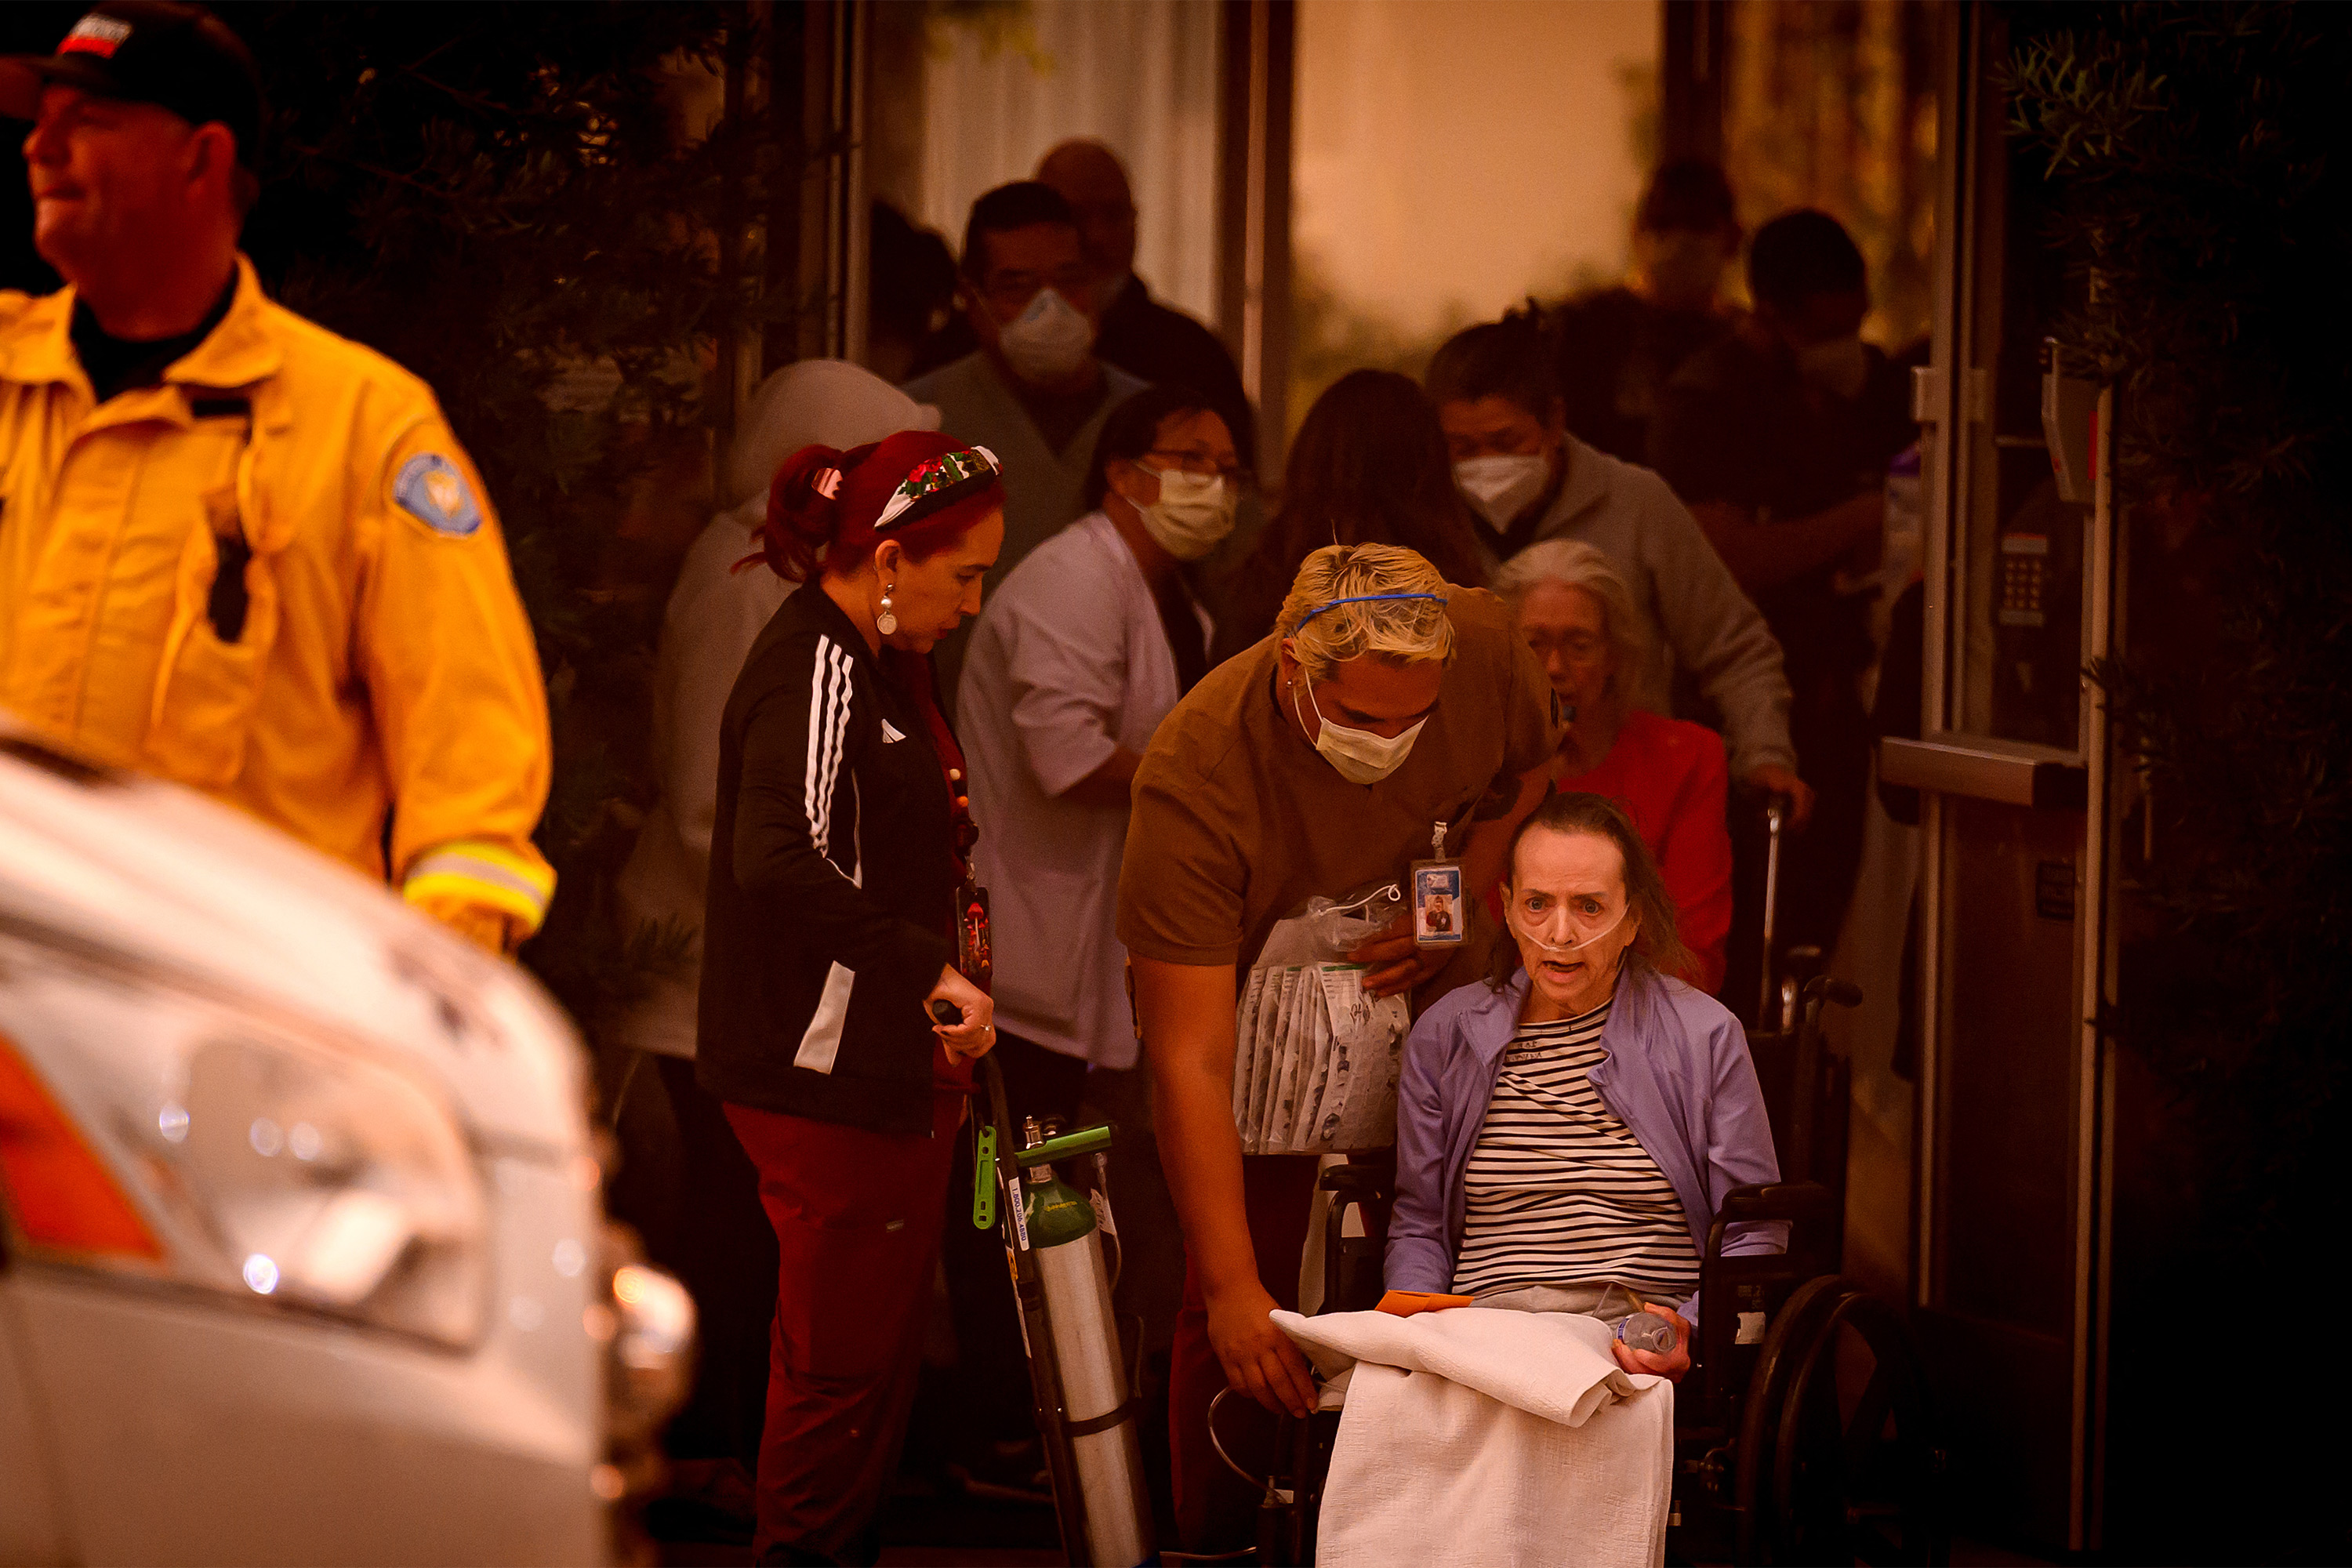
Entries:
{"x":2009,"y":1207}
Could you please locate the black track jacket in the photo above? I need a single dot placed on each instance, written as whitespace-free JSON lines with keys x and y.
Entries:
{"x":832,"y":894}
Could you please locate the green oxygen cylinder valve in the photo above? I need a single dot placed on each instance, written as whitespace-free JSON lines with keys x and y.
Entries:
{"x":1066,"y":1146}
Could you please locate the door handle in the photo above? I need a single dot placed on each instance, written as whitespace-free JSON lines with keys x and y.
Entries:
{"x":1983,"y":771}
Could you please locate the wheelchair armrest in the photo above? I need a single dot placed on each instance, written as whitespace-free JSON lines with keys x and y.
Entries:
{"x":1792,"y":1202}
{"x":1360,"y":1181}
{"x":1352,"y":1264}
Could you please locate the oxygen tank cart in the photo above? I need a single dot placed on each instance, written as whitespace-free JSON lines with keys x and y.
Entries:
{"x":1086,"y":1417}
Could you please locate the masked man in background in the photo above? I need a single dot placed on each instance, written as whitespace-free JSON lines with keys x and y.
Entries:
{"x":1386,"y":705}
{"x":1136,"y":330}
{"x":1527,"y":480}
{"x":1618,"y":347}
{"x":1034,"y":392}
{"x":1778,"y":438}
{"x":1140,"y":333}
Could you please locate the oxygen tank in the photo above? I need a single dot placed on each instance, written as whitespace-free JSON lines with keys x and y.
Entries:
{"x":1065,"y":1240}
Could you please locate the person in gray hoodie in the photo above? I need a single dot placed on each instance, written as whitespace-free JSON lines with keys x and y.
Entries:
{"x":1527,"y":480}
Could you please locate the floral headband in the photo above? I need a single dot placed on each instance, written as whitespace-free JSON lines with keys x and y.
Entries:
{"x":935,"y":484}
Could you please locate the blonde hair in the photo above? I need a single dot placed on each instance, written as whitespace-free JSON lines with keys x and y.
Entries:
{"x":1581,"y":565}
{"x":1395,"y":630}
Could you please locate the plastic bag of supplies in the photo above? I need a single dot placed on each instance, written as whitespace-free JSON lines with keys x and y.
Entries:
{"x":1316,"y":1056}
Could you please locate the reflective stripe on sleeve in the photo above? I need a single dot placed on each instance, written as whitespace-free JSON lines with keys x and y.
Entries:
{"x":485,"y":874}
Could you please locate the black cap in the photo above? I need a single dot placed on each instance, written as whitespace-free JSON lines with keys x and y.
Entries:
{"x":176,"y":56}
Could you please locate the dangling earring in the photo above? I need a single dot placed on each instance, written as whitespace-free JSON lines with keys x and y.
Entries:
{"x":885,"y":621}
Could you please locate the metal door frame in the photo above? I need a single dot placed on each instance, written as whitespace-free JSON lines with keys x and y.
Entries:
{"x":1939,"y":410}
{"x":1954,"y":396}
{"x":1255,"y":135}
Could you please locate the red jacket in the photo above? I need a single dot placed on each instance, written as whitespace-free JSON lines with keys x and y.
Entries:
{"x":1670,"y":774}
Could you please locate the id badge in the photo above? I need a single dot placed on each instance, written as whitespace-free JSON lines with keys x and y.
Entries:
{"x":1439,"y":919}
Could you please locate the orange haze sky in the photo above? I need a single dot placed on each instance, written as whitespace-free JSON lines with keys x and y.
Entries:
{"x":1462,"y":153}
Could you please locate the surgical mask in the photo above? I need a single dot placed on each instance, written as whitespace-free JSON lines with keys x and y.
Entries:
{"x":1193,"y":514}
{"x":1502,"y":486}
{"x":1048,"y":341}
{"x":1559,"y":928}
{"x":1358,"y":756}
{"x":1839,"y":366}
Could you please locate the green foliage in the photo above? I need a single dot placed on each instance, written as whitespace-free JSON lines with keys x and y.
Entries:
{"x":997,"y":26}
{"x":500,"y":197}
{"x":2202,"y":204}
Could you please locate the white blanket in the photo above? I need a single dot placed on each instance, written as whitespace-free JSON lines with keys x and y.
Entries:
{"x":1487,"y":1436}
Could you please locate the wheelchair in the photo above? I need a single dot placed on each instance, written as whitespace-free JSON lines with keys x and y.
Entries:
{"x":1804,"y":1432}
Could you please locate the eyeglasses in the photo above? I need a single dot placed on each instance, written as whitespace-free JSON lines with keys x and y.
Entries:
{"x":1009,"y":292}
{"x":1201,"y":463}
{"x":1577,"y":647}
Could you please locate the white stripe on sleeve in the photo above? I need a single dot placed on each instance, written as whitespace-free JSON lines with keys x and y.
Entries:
{"x":837,"y":739}
{"x":829,"y":706}
{"x":816,"y":743}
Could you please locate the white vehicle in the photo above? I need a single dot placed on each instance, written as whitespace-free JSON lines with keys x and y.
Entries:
{"x":302,"y":1252}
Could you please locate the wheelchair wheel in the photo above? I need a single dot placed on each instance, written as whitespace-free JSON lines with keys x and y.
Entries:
{"x":1794,"y":1329}
{"x":1839,"y":1461}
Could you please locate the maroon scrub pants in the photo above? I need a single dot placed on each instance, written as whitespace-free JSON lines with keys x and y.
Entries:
{"x":856,"y":1215}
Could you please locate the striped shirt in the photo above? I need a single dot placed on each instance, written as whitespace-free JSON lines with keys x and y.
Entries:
{"x":1558,"y":1190}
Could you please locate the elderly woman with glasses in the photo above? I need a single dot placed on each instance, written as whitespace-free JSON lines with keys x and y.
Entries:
{"x":1575,"y":611}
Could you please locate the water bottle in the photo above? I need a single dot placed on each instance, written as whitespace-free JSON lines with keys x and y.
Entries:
{"x":1647,"y":1332}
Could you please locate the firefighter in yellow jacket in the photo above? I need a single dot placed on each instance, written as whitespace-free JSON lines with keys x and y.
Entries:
{"x":235,"y":550}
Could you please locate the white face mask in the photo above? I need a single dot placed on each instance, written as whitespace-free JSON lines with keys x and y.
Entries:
{"x":1839,"y":366}
{"x":1358,"y":756}
{"x":1503,"y":487}
{"x":1193,"y":514}
{"x":1048,"y":341}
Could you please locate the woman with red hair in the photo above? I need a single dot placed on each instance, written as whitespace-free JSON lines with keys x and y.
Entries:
{"x":837,"y":856}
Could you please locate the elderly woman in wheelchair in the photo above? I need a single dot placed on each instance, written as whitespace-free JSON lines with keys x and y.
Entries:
{"x":1566,"y":1135}
{"x":1566,"y":1132}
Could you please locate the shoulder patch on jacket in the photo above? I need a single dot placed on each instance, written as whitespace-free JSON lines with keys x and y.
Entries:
{"x":431,"y":489}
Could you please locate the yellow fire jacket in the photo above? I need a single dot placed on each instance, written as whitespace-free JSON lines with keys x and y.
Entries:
{"x":375,"y":667}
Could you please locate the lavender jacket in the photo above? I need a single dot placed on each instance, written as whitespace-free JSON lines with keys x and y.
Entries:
{"x":1677,"y":1074}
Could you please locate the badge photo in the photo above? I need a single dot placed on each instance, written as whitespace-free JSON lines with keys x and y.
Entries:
{"x":1438,"y":918}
